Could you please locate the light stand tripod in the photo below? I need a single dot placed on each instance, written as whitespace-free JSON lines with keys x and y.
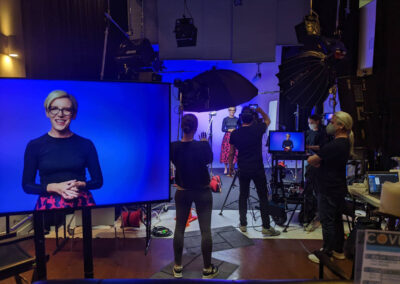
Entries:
{"x":106,"y":32}
{"x":209,"y":133}
{"x":283,"y":196}
{"x":250,"y":203}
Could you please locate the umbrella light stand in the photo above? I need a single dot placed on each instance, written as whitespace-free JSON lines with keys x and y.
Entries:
{"x":180,"y":115}
{"x":297,"y":121}
{"x":209,"y":133}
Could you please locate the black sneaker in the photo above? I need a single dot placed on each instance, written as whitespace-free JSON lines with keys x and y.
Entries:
{"x":177,"y":271}
{"x":209,"y":274}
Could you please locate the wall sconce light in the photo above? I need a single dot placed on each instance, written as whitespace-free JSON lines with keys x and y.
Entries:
{"x":3,"y":44}
{"x":13,"y":46}
{"x":9,"y":45}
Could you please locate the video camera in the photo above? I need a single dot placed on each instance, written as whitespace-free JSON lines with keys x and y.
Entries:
{"x":249,"y":110}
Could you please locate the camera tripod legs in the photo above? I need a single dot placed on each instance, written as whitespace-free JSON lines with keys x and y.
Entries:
{"x":227,"y":196}
{"x":224,"y":205}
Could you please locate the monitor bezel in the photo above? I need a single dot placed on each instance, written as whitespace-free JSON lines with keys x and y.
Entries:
{"x":26,"y":212}
{"x":283,"y":152}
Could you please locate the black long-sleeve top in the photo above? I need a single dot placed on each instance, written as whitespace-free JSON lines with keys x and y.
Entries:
{"x":59,"y":160}
{"x":191,"y":159}
{"x":287,"y":143}
{"x":229,"y":123}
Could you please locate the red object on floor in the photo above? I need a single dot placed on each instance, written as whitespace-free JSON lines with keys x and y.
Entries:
{"x":190,"y":219}
{"x":131,"y":218}
{"x":216,"y":184}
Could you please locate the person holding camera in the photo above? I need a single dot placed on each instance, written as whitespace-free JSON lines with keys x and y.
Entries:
{"x":190,"y":159}
{"x":331,"y":163}
{"x":248,"y":141}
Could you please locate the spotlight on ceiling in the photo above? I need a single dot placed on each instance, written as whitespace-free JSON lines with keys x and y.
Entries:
{"x":185,"y":32}
{"x":258,"y":74}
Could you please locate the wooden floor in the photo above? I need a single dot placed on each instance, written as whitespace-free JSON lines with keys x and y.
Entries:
{"x":267,"y":259}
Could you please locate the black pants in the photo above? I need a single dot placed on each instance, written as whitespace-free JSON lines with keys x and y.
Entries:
{"x":203,"y":201}
{"x":310,"y":206}
{"x":330,"y":212}
{"x":260,"y":181}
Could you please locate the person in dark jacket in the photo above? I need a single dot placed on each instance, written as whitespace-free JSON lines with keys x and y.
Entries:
{"x":190,"y":159}
{"x":287,"y":144}
{"x":331,"y":162}
{"x":248,"y":141}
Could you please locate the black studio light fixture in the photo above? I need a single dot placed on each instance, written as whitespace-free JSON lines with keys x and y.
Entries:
{"x":185,"y":30}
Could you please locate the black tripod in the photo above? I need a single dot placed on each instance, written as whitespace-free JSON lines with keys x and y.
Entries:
{"x":250,"y":203}
{"x":282,"y":196}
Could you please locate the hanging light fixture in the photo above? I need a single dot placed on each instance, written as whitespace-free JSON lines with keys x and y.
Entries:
{"x":258,"y":74}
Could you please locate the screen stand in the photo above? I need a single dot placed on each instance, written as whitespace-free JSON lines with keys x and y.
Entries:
{"x":87,"y":242}
{"x":40,"y":250}
{"x":148,"y":228}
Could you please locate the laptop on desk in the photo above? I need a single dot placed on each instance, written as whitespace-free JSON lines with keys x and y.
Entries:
{"x":376,"y":180}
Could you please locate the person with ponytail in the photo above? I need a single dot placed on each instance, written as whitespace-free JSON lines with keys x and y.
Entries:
{"x":190,"y":159}
{"x":331,"y":162}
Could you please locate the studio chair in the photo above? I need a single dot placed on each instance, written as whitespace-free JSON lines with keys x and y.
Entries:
{"x":58,"y":220}
{"x":14,"y":260}
{"x":102,"y":218}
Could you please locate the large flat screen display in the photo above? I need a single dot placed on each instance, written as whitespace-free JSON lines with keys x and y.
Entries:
{"x":286,"y":142}
{"x":117,"y":152}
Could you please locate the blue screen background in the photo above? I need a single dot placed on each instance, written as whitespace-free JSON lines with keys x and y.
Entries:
{"x":276,"y":139}
{"x":127,"y":122}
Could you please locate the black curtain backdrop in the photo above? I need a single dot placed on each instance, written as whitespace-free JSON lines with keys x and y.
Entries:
{"x":381,"y":99}
{"x":386,"y":75}
{"x":64,"y":38}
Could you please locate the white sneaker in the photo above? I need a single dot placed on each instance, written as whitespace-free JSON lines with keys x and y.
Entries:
{"x":211,"y":272}
{"x":338,"y":255}
{"x":313,"y":258}
{"x":243,"y":229}
{"x":270,"y":232}
{"x":177,"y":271}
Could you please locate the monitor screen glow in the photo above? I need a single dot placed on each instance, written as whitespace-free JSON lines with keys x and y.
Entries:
{"x":128,"y":124}
{"x":286,"y":142}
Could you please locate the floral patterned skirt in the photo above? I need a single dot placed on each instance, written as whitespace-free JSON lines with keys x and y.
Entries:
{"x":56,"y":201}
{"x":225,"y":148}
